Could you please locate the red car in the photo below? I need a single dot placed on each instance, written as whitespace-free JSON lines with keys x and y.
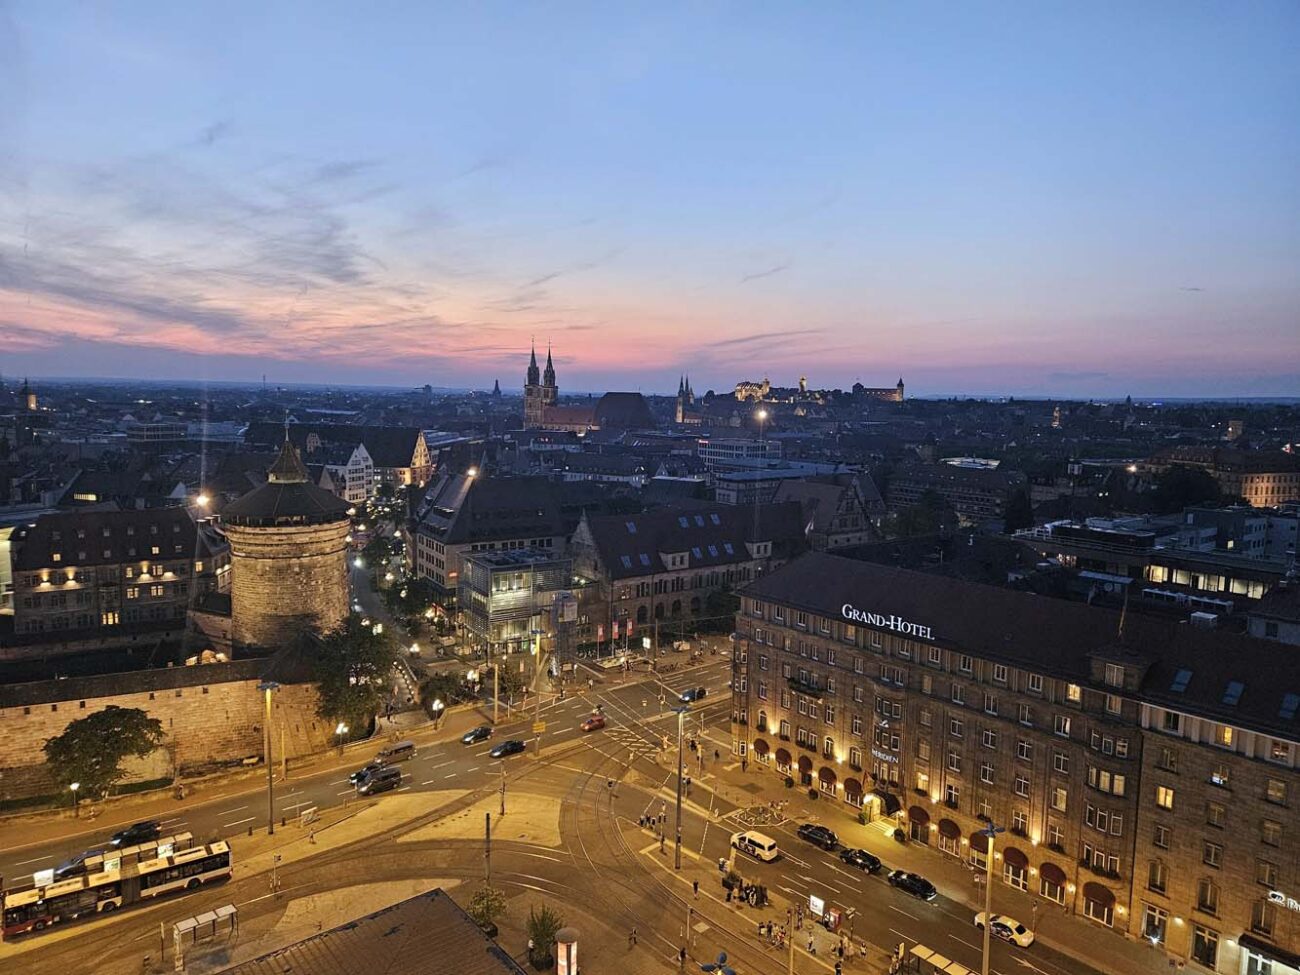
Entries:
{"x":593,"y":722}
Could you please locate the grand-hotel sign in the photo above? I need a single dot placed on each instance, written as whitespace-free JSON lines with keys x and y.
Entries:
{"x":890,"y":622}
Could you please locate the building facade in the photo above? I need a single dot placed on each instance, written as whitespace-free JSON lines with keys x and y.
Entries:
{"x":1145,"y":774}
{"x":540,"y":391}
{"x":1264,"y":478}
{"x":975,"y":494}
{"x":504,"y":598}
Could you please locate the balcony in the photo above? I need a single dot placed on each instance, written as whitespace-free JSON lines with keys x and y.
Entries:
{"x":806,"y":687}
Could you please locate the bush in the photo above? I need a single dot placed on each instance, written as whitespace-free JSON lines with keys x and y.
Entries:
{"x":789,"y":782}
{"x":862,"y":818}
{"x":812,"y":793}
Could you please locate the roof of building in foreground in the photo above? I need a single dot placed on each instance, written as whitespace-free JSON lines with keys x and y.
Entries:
{"x":424,"y":935}
{"x":1227,"y":677}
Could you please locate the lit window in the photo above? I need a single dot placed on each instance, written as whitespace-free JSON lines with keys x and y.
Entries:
{"x":1164,"y":797}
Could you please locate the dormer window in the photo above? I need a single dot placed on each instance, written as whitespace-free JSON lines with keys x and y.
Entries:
{"x":1114,"y":675}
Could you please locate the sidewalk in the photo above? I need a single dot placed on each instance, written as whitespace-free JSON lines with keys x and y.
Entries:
{"x":1056,"y":927}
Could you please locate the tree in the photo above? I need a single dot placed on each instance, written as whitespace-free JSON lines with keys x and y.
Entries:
{"x":929,"y":515}
{"x":542,"y":927}
{"x":445,"y":688}
{"x":91,"y":749}
{"x":1019,"y":513}
{"x":511,"y":683}
{"x":352,"y":666}
{"x":487,"y":904}
{"x":1179,"y":487}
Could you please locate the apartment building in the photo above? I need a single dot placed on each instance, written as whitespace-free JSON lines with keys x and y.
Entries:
{"x":1116,"y":754}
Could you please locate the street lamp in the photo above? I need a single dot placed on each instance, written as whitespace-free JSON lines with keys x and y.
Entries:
{"x":266,"y":687}
{"x":681,"y":711}
{"x":990,"y":832}
{"x":202,"y":500}
{"x":437,"y":712}
{"x":74,"y":787}
{"x":339,"y":732}
{"x":357,"y":563}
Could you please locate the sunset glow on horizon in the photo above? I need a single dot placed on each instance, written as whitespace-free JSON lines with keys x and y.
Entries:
{"x":1060,"y":202}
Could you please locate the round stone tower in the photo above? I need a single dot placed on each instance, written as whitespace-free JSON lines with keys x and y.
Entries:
{"x":288,"y":557}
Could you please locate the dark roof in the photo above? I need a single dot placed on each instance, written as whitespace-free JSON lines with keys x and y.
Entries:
{"x":99,"y":537}
{"x":820,"y":500}
{"x":712,"y":535}
{"x":424,"y":935}
{"x":1283,"y":603}
{"x":613,"y":465}
{"x":388,"y":447}
{"x":1057,"y":637}
{"x":936,"y":475}
{"x":672,"y":490}
{"x":459,"y":508}
{"x":623,"y":411}
{"x":287,"y":497}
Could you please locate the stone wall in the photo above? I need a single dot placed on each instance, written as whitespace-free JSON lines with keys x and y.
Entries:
{"x":211,"y":715}
{"x":285,"y":579}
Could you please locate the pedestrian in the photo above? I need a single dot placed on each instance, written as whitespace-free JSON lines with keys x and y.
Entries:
{"x":311,"y":837}
{"x":681,"y":956}
{"x":717,"y":755}
{"x":744,"y":765}
{"x":812,"y":945}
{"x":634,"y":935}
{"x":590,"y":683}
{"x":729,"y":893}
{"x":695,"y":885}
{"x":663,"y":839}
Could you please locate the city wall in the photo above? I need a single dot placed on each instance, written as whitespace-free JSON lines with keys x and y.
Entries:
{"x":211,"y":715}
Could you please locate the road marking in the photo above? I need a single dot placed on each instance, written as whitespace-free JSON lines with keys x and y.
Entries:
{"x":442,"y":765}
{"x":428,"y":782}
{"x":451,"y":776}
{"x":238,"y":822}
{"x":37,"y":860}
{"x":851,"y":876}
{"x":227,"y":812}
{"x":339,"y":781}
{"x":345,"y":792}
{"x":903,"y":912}
{"x":965,"y":942}
{"x":474,"y":769}
{"x":483,"y":752}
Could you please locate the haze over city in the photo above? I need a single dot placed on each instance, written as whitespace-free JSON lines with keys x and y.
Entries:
{"x":1076,"y":202}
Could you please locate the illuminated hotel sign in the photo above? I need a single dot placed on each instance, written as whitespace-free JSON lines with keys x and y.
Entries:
{"x":1277,"y":897}
{"x":895,"y":623}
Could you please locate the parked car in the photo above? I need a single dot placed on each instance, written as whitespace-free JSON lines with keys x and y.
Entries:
{"x":472,"y":737}
{"x":861,"y":859}
{"x":364,"y":771}
{"x":692,"y":694}
{"x":136,"y":833}
{"x":381,"y":780}
{"x":914,"y":884}
{"x":76,"y":866}
{"x":1007,"y":928}
{"x":593,"y":722}
{"x":512,"y":747}
{"x":818,"y":835}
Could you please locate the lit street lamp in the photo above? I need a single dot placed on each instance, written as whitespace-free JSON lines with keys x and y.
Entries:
{"x":990,"y":832}
{"x":339,"y":732}
{"x":74,"y":787}
{"x":681,"y":713}
{"x":437,"y":708}
{"x":267,"y":687}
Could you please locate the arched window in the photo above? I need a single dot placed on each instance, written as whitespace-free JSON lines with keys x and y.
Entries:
{"x":828,"y":747}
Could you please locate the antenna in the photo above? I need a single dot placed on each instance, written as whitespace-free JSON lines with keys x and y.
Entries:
{"x":1123,"y":613}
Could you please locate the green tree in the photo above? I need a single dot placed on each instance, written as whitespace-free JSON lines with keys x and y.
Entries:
{"x":443,"y":687}
{"x":487,"y":904}
{"x":91,"y":749}
{"x":542,"y":927}
{"x":1019,"y":513}
{"x":511,"y":682}
{"x":1178,"y":487}
{"x":927,"y":516}
{"x":353,"y":667}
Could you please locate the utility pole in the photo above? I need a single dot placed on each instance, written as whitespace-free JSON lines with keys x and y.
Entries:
{"x":503,"y":789}
{"x":487,"y":849}
{"x":990,"y":831}
{"x":681,"y":718}
{"x":537,"y":687}
{"x":267,"y":687}
{"x":496,"y":686}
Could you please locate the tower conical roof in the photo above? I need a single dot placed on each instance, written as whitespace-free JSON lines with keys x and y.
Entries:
{"x":288,"y":467}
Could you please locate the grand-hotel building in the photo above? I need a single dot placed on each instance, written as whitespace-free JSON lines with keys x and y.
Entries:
{"x":1144,"y":770}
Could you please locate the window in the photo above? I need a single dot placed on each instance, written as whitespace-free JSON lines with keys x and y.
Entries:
{"x":924,"y":718}
{"x":1279,"y":751}
{"x":1270,"y":832}
{"x":1024,"y":750}
{"x":1154,"y":924}
{"x":958,"y":694}
{"x":927,"y":684}
{"x":952,"y":795}
{"x":1073,"y":693}
{"x":1211,"y":854}
{"x":1000,"y":673}
{"x":1275,"y":792}
{"x":1207,"y":896}
{"x":1026,"y":715}
{"x":762,"y":661}
{"x":1220,"y":776}
{"x":1157,"y":876}
{"x":935,"y":656}
{"x":986,"y":773}
{"x":1266,"y":874}
{"x":954,"y":761}
{"x":1215,"y":814}
{"x":762,"y":689}
{"x":1168,"y":759}
{"x":830,"y":714}
{"x":1114,"y":675}
{"x":1061,"y":762}
{"x":856,"y":724}
{"x":990,"y":738}
{"x":1106,"y":781}
{"x":1205,"y":946}
{"x":1160,"y":836}
{"x":964,"y":664}
{"x":1223,"y":735}
{"x":1164,"y":797}
{"x":857,"y":694}
{"x":1022,"y":786}
{"x":1055,"y":835}
{"x":923,"y":750}
{"x":956,"y":727}
{"x":1063,"y":725}
{"x":1059,"y":797}
{"x":990,"y":703}
{"x":1173,"y":722}
{"x":855,"y":757}
{"x":1263,"y":916}
{"x":1114,"y":705}
{"x":1036,"y":683}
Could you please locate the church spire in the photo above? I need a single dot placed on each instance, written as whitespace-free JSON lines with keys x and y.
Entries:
{"x":533,"y":377}
{"x":548,"y":377}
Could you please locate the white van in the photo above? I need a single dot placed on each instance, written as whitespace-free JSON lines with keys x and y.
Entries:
{"x":756,"y":844}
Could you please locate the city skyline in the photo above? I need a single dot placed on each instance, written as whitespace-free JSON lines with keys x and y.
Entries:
{"x":1040,"y":205}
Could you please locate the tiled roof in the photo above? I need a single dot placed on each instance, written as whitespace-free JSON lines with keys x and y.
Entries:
{"x":1056,"y":637}
{"x":388,"y":447}
{"x":711,"y":536}
{"x":460,"y":509}
{"x":424,"y":935}
{"x":99,"y":537}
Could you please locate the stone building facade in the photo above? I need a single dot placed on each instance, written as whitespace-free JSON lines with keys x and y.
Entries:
{"x":1144,"y":772}
{"x":288,"y":553}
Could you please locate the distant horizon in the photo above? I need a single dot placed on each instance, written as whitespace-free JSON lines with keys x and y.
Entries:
{"x":14,"y":379}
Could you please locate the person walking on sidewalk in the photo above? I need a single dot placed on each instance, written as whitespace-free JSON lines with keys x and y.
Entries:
{"x":695,"y":885}
{"x":812,"y":945}
{"x":632,"y":937}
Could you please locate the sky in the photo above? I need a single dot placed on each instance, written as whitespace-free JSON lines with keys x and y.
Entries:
{"x":1072,"y":200}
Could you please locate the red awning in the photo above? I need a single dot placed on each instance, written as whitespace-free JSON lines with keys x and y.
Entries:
{"x":827,"y":776}
{"x":1052,"y":874}
{"x":1015,"y":858}
{"x":760,"y":746}
{"x":782,"y":757}
{"x":949,"y":829}
{"x":852,"y":787}
{"x":979,"y":842}
{"x":1098,"y":894}
{"x":918,"y":815}
{"x":805,"y":763}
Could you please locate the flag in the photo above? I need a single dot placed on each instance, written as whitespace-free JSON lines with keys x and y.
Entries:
{"x":629,"y":627}
{"x":600,"y":632}
{"x":616,"y":629}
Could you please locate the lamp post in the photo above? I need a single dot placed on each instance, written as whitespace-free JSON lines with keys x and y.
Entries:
{"x":437,"y":713}
{"x":73,"y":787}
{"x":267,"y":687}
{"x":339,"y":731}
{"x":537,"y":685}
{"x":681,"y":713}
{"x":991,"y":832}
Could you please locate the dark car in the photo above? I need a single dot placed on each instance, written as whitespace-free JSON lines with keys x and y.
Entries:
{"x":861,"y":859}
{"x":512,"y":747}
{"x":819,"y":835}
{"x":914,"y":884}
{"x":382,"y":779}
{"x":472,"y":737}
{"x":75,"y":866}
{"x":136,"y":833}
{"x":692,"y":694}
{"x":364,"y":771}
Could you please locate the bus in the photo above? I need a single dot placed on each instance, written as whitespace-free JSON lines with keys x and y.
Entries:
{"x":124,"y":884}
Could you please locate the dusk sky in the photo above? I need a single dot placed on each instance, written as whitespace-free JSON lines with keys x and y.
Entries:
{"x":1087,"y":199}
